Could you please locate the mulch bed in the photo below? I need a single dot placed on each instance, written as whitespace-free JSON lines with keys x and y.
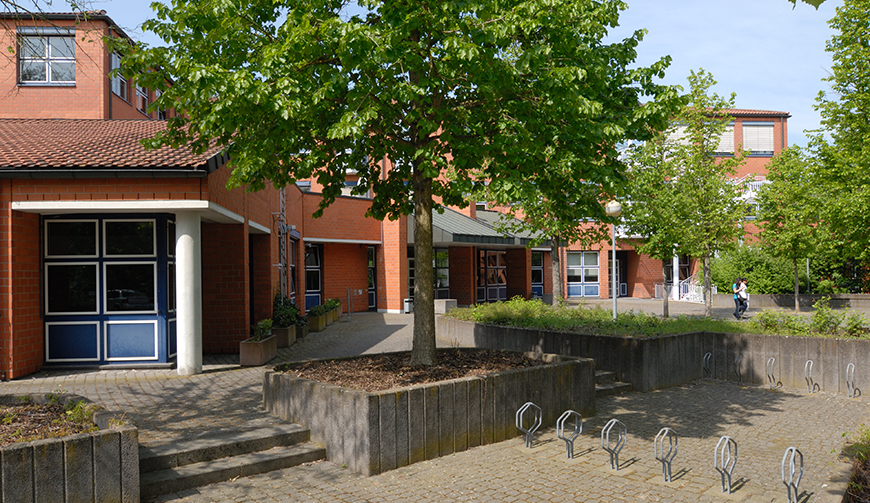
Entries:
{"x":391,"y":370}
{"x":26,"y":422}
{"x":859,"y":487}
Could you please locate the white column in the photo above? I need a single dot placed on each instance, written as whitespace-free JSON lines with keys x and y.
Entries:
{"x":675,"y":291}
{"x":188,"y":281}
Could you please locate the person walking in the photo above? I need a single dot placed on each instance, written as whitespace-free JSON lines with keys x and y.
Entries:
{"x":742,"y":298}
{"x":734,"y":288}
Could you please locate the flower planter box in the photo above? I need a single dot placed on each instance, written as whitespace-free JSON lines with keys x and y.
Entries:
{"x":301,"y":331}
{"x":330,"y":317}
{"x":256,"y":353}
{"x":317,"y":323}
{"x":286,"y":336}
{"x":97,"y":466}
{"x":375,"y":432}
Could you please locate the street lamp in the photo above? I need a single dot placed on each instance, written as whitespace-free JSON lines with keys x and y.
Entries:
{"x":613,"y":210}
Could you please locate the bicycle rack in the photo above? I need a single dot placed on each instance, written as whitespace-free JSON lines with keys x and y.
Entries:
{"x":708,"y":370}
{"x":850,"y":381}
{"x":620,"y":441}
{"x":792,"y":479}
{"x":808,"y":375}
{"x":578,"y":429}
{"x":724,"y":460}
{"x":737,"y":360}
{"x":771,"y":379}
{"x":530,"y":432}
{"x":666,"y":457}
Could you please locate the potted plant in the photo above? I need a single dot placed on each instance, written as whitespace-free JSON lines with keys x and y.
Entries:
{"x":317,"y":318}
{"x":284,"y":314}
{"x":261,"y":347}
{"x":334,"y":306}
{"x":301,"y":326}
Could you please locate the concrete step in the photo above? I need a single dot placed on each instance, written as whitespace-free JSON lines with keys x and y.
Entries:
{"x":223,"y":445}
{"x":612,"y":388}
{"x":179,"y":478}
{"x":604,"y":376}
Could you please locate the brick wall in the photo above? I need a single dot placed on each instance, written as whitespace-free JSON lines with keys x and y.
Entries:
{"x":108,"y":189}
{"x":462,"y":275}
{"x":225,"y":316}
{"x":393,"y":265}
{"x":262,"y":260}
{"x":519,"y":272}
{"x":346,"y":266}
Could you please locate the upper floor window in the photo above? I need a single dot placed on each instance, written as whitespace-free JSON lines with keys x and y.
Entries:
{"x":119,"y":83}
{"x":47,"y":56}
{"x":758,"y":138}
{"x":142,"y":99}
{"x":161,"y":112}
{"x":726,"y":140}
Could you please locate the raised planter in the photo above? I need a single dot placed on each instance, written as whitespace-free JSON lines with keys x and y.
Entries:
{"x":99,"y":466}
{"x":330,"y":317}
{"x":372,"y":433}
{"x":317,"y":323}
{"x":256,"y":353}
{"x":286,"y":335}
{"x":301,"y":331}
{"x":651,"y":363}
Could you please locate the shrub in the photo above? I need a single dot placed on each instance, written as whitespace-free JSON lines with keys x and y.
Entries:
{"x":261,"y":330}
{"x":318,"y":310}
{"x":766,"y":273}
{"x":332,"y":304}
{"x":855,"y":325}
{"x":825,"y":321}
{"x":284,"y":312}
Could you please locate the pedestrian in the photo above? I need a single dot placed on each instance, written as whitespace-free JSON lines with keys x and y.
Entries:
{"x":742,"y":298}
{"x":734,"y":288}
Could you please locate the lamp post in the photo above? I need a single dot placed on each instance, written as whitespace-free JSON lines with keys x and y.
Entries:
{"x":614,"y":209}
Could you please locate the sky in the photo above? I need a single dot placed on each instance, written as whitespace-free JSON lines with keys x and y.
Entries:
{"x":770,"y":53}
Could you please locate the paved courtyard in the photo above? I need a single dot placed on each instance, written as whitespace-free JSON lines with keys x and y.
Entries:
{"x":167,"y":407}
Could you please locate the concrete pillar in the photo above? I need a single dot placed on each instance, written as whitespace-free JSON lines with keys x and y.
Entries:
{"x":675,"y":291}
{"x":188,"y":281}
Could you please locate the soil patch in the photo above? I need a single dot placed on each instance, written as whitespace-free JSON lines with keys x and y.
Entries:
{"x":391,"y":370}
{"x":26,"y":422}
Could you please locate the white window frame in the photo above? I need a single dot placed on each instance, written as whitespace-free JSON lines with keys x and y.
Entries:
{"x":48,"y":349}
{"x":96,"y":292}
{"x":48,"y":223}
{"x":106,"y":324}
{"x":153,"y":237}
{"x":142,"y":99}
{"x":119,"y":83}
{"x":758,"y":138}
{"x":105,"y":287}
{"x":46,"y":34}
{"x":726,"y":141}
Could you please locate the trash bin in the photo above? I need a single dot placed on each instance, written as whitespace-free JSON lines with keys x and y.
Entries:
{"x":409,"y":306}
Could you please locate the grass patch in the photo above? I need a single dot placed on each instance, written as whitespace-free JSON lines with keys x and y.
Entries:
{"x":596,"y":320}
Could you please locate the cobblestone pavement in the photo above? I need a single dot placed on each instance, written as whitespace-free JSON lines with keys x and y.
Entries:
{"x":763,"y":423}
{"x":167,"y":407}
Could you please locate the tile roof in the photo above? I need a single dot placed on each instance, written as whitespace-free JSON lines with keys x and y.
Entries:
{"x":760,"y":113}
{"x":92,"y":145}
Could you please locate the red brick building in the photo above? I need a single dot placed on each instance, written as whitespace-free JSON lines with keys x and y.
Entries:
{"x":119,"y":256}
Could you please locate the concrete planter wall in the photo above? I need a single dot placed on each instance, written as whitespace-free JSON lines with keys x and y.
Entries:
{"x":286,"y":336}
{"x":256,"y":353}
{"x":666,"y":361}
{"x":317,"y":323}
{"x":763,"y":301}
{"x":375,"y":432}
{"x":101,"y":466}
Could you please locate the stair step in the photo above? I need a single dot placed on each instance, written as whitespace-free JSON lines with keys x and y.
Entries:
{"x":232,"y":443}
{"x":172,"y":480}
{"x":604,"y":376}
{"x":613,"y":388}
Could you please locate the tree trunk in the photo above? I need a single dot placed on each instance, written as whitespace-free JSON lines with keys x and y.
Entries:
{"x":665,"y":265}
{"x":708,"y":288}
{"x":556,"y":261}
{"x":423,"y":346}
{"x":797,"y":288}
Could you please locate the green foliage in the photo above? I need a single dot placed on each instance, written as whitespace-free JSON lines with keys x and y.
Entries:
{"x":765,"y":273}
{"x":855,"y":325}
{"x":682,"y":194}
{"x":332,"y":304}
{"x":825,"y":321}
{"x":25,"y":399}
{"x":319,"y":310}
{"x":80,"y":412}
{"x":262,"y":330}
{"x":284,"y":312}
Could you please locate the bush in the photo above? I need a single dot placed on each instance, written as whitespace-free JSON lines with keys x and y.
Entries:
{"x":261,"y":330}
{"x":318,"y":310}
{"x":284,"y":312}
{"x":333,"y":304}
{"x":825,"y":321}
{"x":764,"y":272}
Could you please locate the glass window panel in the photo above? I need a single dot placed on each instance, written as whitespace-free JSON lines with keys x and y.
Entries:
{"x":33,"y":47}
{"x":500,"y":259}
{"x":574,"y":276}
{"x":442,"y":279}
{"x":590,"y":275}
{"x":63,"y":72}
{"x":71,"y":238}
{"x":170,"y":238}
{"x":574,"y":259}
{"x":312,"y":258}
{"x":502,"y":277}
{"x":170,"y":286}
{"x":62,"y":47}
{"x":537,"y":276}
{"x":33,"y":71}
{"x":371,"y":279}
{"x":481,"y":259}
{"x":130,"y":287}
{"x":441,"y":258}
{"x":371,"y":257}
{"x":491,"y":277}
{"x":481,"y":277}
{"x":130,"y":238}
{"x":537,"y":259}
{"x":491,"y":259}
{"x":590,"y":258}
{"x":312,"y":281}
{"x":72,"y":288}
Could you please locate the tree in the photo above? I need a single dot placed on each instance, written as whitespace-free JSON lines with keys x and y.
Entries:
{"x":790,"y":210}
{"x":682,"y":193}
{"x":844,"y":160}
{"x":301,"y":89}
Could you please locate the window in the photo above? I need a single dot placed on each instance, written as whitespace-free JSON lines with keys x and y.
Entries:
{"x":441,"y":263}
{"x":119,"y":83}
{"x":582,"y":269}
{"x":313,"y":275}
{"x":161,"y":112}
{"x":304,"y":186}
{"x":758,"y":138}
{"x":726,"y":141}
{"x":47,"y":56}
{"x":142,"y":99}
{"x":491,"y":275}
{"x":537,"y":274}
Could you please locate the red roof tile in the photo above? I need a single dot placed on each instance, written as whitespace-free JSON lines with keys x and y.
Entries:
{"x":70,"y":144}
{"x":759,"y":113}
